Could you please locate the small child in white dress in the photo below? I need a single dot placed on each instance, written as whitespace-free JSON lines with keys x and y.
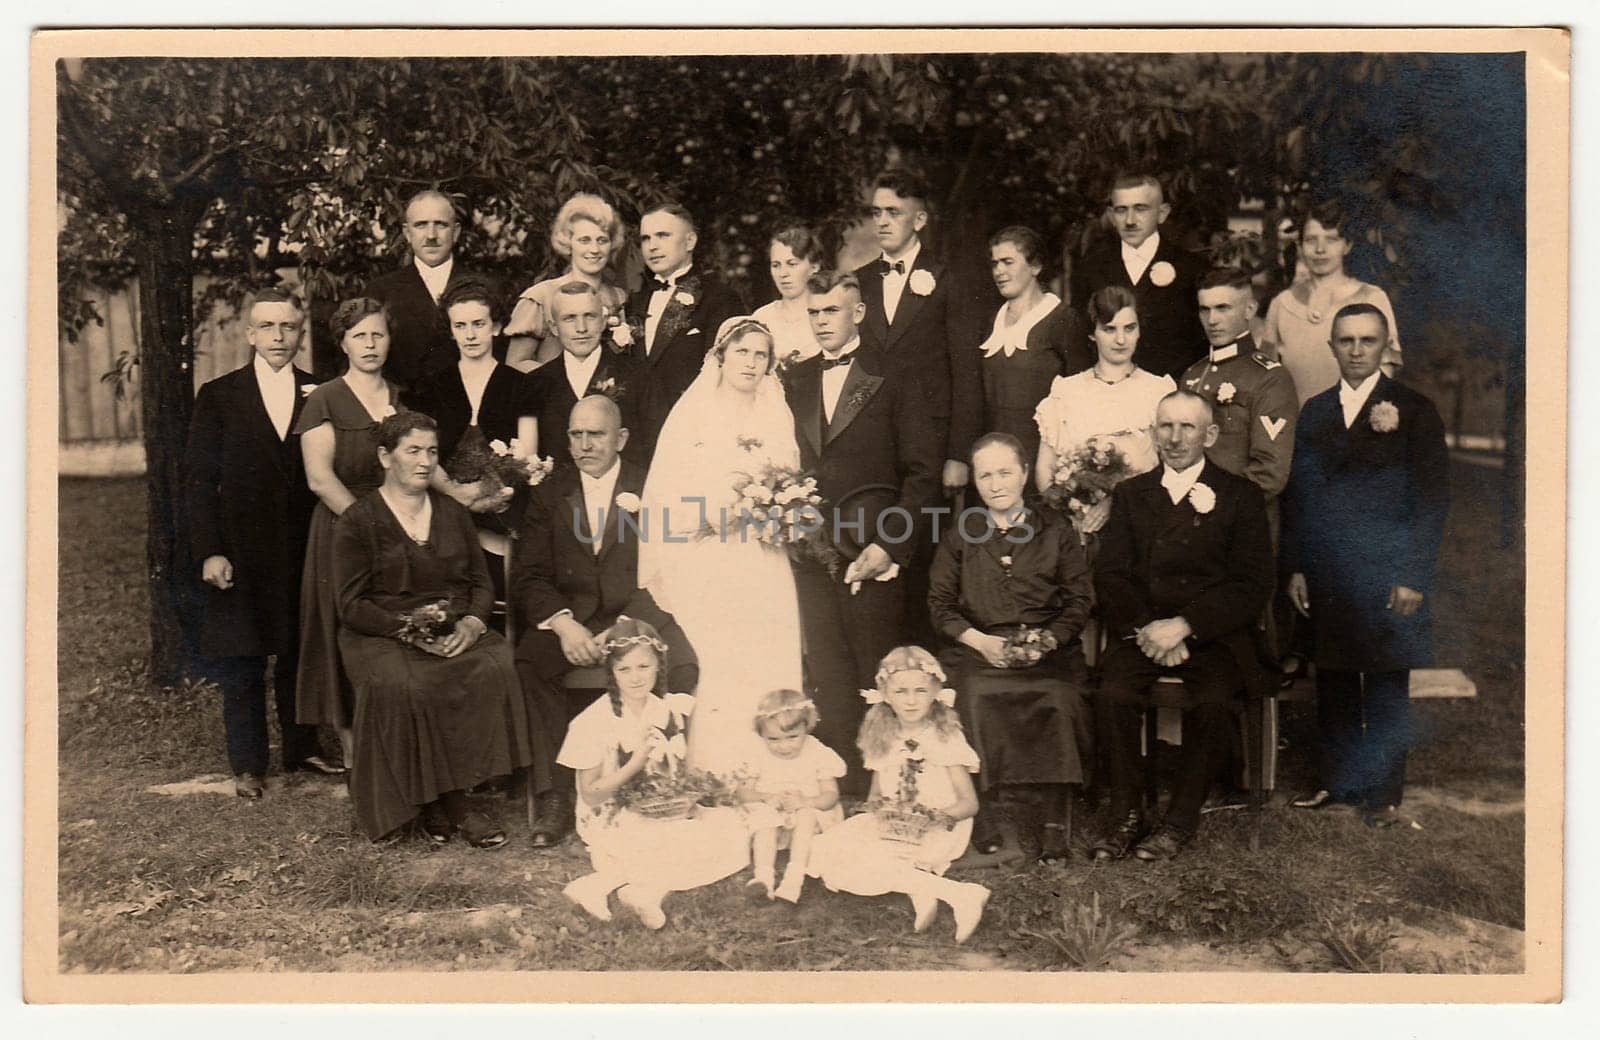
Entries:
{"x":634,"y":730}
{"x":911,"y":740}
{"x":792,"y":793}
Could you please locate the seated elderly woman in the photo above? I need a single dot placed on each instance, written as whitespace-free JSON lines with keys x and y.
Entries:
{"x":437,"y":706}
{"x":1010,"y":591}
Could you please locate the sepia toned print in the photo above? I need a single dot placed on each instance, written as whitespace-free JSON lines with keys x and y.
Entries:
{"x":763,"y":502}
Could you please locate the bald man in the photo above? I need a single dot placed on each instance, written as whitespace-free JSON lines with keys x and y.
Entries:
{"x":419,"y":333}
{"x":575,"y":569}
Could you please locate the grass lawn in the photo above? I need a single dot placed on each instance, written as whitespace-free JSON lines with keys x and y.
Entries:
{"x":152,"y":883}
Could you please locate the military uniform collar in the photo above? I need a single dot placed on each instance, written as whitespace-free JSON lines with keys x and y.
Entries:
{"x":1227,"y":353}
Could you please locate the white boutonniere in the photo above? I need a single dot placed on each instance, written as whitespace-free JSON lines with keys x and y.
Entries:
{"x":1162,"y":274}
{"x":921,"y":282}
{"x":1202,"y":499}
{"x":1225,"y":393}
{"x":684,"y":297}
{"x":628,"y":502}
{"x":305,"y":391}
{"x":1385,"y":417}
{"x":622,"y":335}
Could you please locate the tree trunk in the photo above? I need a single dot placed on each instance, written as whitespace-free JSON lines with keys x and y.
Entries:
{"x":164,"y":256}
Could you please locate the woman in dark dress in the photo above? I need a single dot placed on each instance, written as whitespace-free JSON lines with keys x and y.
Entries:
{"x":1035,"y":338}
{"x":1016,"y":568}
{"x":434,"y":716}
{"x":338,"y":431}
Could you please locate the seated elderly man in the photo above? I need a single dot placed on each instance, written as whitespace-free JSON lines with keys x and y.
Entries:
{"x":1185,"y":568}
{"x":574,"y":570}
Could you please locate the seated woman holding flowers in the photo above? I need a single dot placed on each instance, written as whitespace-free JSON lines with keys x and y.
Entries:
{"x":1010,"y":593}
{"x":438,"y":709}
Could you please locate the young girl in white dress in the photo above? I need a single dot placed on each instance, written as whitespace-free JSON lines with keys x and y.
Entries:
{"x":793,"y":791}
{"x":636,"y":728}
{"x":911,"y":740}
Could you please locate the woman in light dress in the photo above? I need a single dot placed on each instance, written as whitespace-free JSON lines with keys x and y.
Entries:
{"x":1298,"y":321}
{"x":586,"y":233}
{"x":733,"y":595}
{"x":1116,"y":399}
{"x":794,"y":255}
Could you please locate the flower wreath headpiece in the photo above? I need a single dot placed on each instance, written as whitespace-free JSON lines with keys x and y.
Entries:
{"x":946,"y":696}
{"x":614,"y":645}
{"x":796,"y":706}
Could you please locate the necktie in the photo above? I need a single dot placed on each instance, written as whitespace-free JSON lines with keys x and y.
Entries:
{"x":893,"y":266}
{"x":844,"y":359}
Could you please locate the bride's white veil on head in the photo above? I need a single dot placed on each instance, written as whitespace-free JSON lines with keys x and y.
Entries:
{"x":699,"y":448}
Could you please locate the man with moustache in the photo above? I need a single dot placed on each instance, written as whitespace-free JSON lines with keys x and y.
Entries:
{"x":1363,"y":518}
{"x":249,"y":513}
{"x":1161,"y":275}
{"x":420,"y":341}
{"x":589,"y":364}
{"x":863,"y":429}
{"x":1184,"y":570}
{"x":575,"y":570}
{"x":680,"y":309}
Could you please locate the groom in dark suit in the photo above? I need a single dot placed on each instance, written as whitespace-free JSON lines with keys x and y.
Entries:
{"x":249,"y":512}
{"x":1162,"y":276}
{"x":864,"y":431}
{"x":419,"y":333}
{"x":680,"y":309}
{"x":1184,"y":569}
{"x":569,"y":584}
{"x":1364,"y":515}
{"x":588,"y":364}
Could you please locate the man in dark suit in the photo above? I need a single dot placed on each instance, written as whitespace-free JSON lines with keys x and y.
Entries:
{"x":1364,"y":515}
{"x":863,"y":430}
{"x":680,"y":309}
{"x":589,"y":364}
{"x":249,"y":513}
{"x":1184,"y":569}
{"x":569,"y":584}
{"x":919,"y":314}
{"x":1161,"y":275}
{"x":419,"y":333}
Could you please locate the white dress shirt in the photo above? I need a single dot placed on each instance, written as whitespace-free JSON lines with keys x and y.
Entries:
{"x":580,"y":370}
{"x":435,"y":278}
{"x":1179,"y":482}
{"x":474,"y":379}
{"x":1136,"y":261}
{"x":277,"y":393}
{"x":894,"y":283}
{"x":833,"y":378}
{"x":1353,"y":398}
{"x":658,"y":305}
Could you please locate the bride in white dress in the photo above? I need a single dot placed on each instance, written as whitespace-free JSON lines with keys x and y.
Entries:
{"x":733,"y":595}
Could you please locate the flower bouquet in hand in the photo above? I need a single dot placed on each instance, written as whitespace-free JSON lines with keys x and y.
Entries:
{"x":1085,"y":476}
{"x":427,"y":623}
{"x":1026,"y":646}
{"x":780,"y":506}
{"x":499,"y":468}
{"x":903,"y":819}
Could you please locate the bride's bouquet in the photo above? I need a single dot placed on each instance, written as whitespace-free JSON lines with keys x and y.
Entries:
{"x":779,"y":506}
{"x":1085,"y":476}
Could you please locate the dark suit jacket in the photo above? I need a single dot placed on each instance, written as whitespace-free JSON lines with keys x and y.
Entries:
{"x":936,"y":336}
{"x":506,"y":398}
{"x":683,"y":336}
{"x":247,"y":500}
{"x":1171,"y":337}
{"x":555,"y":568}
{"x":551,"y":398}
{"x":419,"y":334}
{"x":879,"y":452}
{"x":1159,"y":560}
{"x":1365,"y":511}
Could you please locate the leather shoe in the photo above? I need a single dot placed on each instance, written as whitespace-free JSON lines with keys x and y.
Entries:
{"x":436,"y":824}
{"x":1117,"y":844}
{"x":1054,"y":849}
{"x":481,"y":832}
{"x":1165,"y":843}
{"x":552,"y":819}
{"x":1321,"y":800}
{"x":318,"y":764}
{"x":248,"y":785}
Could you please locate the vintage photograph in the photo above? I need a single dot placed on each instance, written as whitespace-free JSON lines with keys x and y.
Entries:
{"x":731,"y":503}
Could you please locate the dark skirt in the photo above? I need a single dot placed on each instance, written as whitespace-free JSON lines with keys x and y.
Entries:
{"x":425,"y":725}
{"x":322,"y":690}
{"x":1028,"y":725}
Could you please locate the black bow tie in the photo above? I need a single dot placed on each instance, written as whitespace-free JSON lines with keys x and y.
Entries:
{"x":895,"y":266}
{"x":843,"y":359}
{"x":661,"y":285}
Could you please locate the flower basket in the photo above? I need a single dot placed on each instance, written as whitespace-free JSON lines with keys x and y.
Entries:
{"x":667,"y":807}
{"x":898,"y":825}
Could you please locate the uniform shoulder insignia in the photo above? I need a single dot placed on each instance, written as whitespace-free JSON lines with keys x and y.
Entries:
{"x":1265,"y":362}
